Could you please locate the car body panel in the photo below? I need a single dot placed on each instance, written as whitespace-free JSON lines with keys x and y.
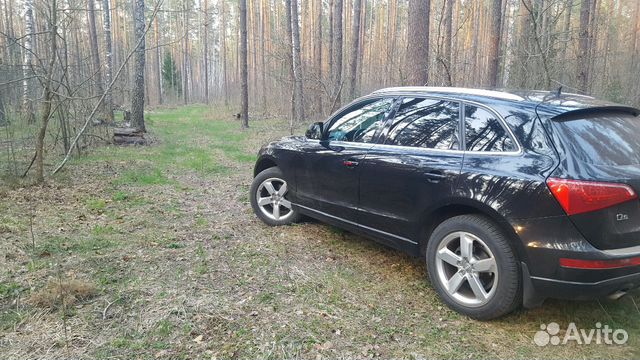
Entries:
{"x":398,"y":183}
{"x":333,"y":190}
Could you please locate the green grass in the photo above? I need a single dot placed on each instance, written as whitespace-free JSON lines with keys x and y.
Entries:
{"x":103,"y":230}
{"x":8,"y":289}
{"x":63,"y":245}
{"x":142,"y":177}
{"x":96,"y":205}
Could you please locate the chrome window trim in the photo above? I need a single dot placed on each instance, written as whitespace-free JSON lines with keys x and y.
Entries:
{"x":462,"y":102}
{"x":503,"y":122}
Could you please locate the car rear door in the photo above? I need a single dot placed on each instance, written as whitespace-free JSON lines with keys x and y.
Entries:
{"x":327,"y":176}
{"x":415,"y":167}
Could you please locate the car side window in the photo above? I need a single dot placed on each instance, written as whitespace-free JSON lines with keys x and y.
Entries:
{"x":360,"y":124}
{"x":484,"y":132}
{"x":426,"y":123}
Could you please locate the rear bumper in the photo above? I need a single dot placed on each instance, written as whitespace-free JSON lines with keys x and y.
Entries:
{"x":574,"y":290}
{"x":546,"y":241}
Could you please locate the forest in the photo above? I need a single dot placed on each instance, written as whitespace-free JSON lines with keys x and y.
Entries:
{"x":67,"y":66}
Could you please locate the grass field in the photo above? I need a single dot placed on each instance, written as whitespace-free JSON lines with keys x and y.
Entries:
{"x":154,"y":253}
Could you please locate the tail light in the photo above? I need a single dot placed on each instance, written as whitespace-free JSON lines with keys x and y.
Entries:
{"x":577,"y":197}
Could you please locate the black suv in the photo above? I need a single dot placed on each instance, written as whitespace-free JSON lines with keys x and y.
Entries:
{"x":511,"y":197}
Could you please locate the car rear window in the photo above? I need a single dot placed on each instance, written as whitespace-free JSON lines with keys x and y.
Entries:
{"x":603,"y":139}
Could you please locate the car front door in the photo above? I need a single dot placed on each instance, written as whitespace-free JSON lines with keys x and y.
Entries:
{"x":416,"y":167}
{"x":327,"y":176}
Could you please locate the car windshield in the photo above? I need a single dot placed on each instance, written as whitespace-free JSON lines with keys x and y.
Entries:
{"x":603,"y":139}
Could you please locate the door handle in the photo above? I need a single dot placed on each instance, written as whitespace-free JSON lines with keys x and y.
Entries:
{"x":435,"y":176}
{"x":350,"y":163}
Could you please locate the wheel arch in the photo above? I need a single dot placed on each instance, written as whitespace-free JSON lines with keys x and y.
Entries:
{"x":436,"y":216}
{"x":264,"y":163}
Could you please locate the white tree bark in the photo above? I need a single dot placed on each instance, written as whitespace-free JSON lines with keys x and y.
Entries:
{"x":108,"y":59}
{"x":27,"y":61}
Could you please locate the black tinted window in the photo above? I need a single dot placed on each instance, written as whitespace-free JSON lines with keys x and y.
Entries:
{"x":359,"y":124}
{"x":484,"y":132}
{"x":607,"y":139}
{"x":426,"y":123}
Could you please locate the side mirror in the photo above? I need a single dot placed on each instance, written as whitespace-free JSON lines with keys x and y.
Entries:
{"x":314,"y":131}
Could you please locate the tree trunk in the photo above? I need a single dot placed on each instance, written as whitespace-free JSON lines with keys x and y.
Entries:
{"x":223,"y":34}
{"x":337,"y":53}
{"x":289,"y":61}
{"x":244,"y":81}
{"x":108,"y":61}
{"x":263,"y":71}
{"x":448,"y":32}
{"x":355,"y":48}
{"x":3,"y":118}
{"x":27,"y":105}
{"x":206,"y":52}
{"x":137,"y":98}
{"x":157,"y":60}
{"x":317,"y":56}
{"x":418,"y":49}
{"x":185,"y":56}
{"x":567,"y":36}
{"x":494,"y":43}
{"x":48,"y":93}
{"x":634,"y":40}
{"x":93,"y":40}
{"x":331,"y":28}
{"x":297,"y":62}
{"x":582,"y":76}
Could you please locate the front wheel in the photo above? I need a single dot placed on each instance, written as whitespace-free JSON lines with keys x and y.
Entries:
{"x":473,"y":268}
{"x":269,"y":198}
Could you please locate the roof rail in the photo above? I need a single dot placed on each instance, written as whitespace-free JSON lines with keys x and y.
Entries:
{"x":453,"y":90}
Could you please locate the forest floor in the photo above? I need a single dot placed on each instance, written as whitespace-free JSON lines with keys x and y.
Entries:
{"x":153,"y":252}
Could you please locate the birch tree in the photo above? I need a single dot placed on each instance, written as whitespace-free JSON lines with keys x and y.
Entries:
{"x":27,"y":105}
{"x":108,"y":59}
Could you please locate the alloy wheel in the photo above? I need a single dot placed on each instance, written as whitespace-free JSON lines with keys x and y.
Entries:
{"x":467,"y":269}
{"x":271,"y":199}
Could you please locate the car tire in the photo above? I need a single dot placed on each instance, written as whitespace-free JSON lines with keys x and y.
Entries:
{"x":267,"y":195}
{"x":473,"y":267}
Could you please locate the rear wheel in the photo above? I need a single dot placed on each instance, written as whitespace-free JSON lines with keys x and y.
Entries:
{"x":473,"y":268}
{"x":269,"y":198}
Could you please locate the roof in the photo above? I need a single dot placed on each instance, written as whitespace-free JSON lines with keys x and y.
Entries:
{"x":547,"y":101}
